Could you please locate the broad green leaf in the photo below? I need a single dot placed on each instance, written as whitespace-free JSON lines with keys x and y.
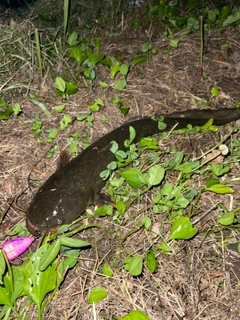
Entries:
{"x":133,"y":177}
{"x":121,"y":207}
{"x":114,"y":70}
{"x":150,"y":143}
{"x":135,"y":315}
{"x":139,"y":60}
{"x":6,"y":292}
{"x":97,"y":294}
{"x":164,"y":246}
{"x":112,"y":165}
{"x":95,"y":58}
{"x":219,"y":169}
{"x":103,"y":85}
{"x":53,"y":133}
{"x":211,"y":182}
{"x":232,"y":18}
{"x":182,"y":229}
{"x":72,"y":39}
{"x":120,"y":84}
{"x":136,"y":266}
{"x":215,"y":92}
{"x":132,"y":133}
{"x":208,"y":124}
{"x":36,"y":283}
{"x":5,"y":114}
{"x":74,"y":243}
{"x":60,"y":84}
{"x":77,"y":54}
{"x":49,"y":255}
{"x":59,"y":108}
{"x":124,"y":69}
{"x":151,"y":261}
{"x":147,"y":223}
{"x":104,"y":211}
{"x":107,"y":271}
{"x":227,"y":219}
{"x":155,"y":175}
{"x":114,"y":146}
{"x":220,"y":189}
{"x":71,"y":88}
{"x":16,"y":108}
{"x":224,"y":14}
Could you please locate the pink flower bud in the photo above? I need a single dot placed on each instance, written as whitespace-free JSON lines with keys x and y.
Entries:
{"x":15,"y":247}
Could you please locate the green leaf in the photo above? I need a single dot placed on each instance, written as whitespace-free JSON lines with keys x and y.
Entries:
{"x":147,"y":223}
{"x":182,"y":229}
{"x":135,"y":315}
{"x":74,"y":243}
{"x":97,"y":44}
{"x":103,"y":85}
{"x":211,"y":182}
{"x":77,"y":54}
{"x":36,"y":283}
{"x":71,"y":88}
{"x":16,"y":108}
{"x":5,"y":114}
{"x":59,"y":108}
{"x":151,"y":261}
{"x":95,"y":58}
{"x":174,"y":43}
{"x":155,"y":175}
{"x":149,"y":142}
{"x":215,"y":92}
{"x":139,"y":60}
{"x":135,"y":266}
{"x":97,"y":294}
{"x":165,"y":247}
{"x":104,"y":211}
{"x":121,"y":207}
{"x":120,"y":84}
{"x":107,"y":271}
{"x":227,"y":219}
{"x":133,"y":176}
{"x":219,"y":169}
{"x":220,"y":189}
{"x":49,"y":255}
{"x":124,"y":69}
{"x":72,"y":39}
{"x":53,"y":133}
{"x":60,"y":84}
{"x":224,"y":14}
{"x":42,"y":107}
{"x":232,"y":18}
{"x":114,"y":70}
{"x":6,"y":292}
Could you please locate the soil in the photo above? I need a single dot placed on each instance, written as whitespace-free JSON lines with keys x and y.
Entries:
{"x":200,"y":279}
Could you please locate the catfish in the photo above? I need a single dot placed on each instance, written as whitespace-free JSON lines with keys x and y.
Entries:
{"x":70,"y":190}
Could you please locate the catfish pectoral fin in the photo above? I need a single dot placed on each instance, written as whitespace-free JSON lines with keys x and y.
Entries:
{"x":102,"y":199}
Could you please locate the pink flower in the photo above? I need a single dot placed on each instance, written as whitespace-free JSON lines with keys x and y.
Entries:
{"x":15,"y":247}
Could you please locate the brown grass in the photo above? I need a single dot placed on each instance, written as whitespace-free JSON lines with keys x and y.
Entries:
{"x":200,"y":278}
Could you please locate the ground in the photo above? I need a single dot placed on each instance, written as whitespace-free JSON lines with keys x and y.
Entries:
{"x":200,"y":278}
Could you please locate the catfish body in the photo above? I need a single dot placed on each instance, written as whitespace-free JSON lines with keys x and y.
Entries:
{"x":69,"y":191}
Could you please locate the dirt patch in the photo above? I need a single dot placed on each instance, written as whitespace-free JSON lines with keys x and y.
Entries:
{"x":200,"y":278}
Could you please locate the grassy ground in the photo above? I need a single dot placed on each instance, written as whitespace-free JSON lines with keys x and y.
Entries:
{"x":146,"y":69}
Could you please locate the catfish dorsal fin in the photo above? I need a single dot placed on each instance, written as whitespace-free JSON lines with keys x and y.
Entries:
{"x":63,"y":160}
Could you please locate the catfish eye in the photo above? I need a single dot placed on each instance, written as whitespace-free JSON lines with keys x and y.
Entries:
{"x":37,"y":234}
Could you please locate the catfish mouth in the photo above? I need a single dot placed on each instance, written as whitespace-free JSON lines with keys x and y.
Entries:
{"x":34,"y":230}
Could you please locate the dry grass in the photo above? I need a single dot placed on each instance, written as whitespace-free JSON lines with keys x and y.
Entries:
{"x":200,"y":278}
